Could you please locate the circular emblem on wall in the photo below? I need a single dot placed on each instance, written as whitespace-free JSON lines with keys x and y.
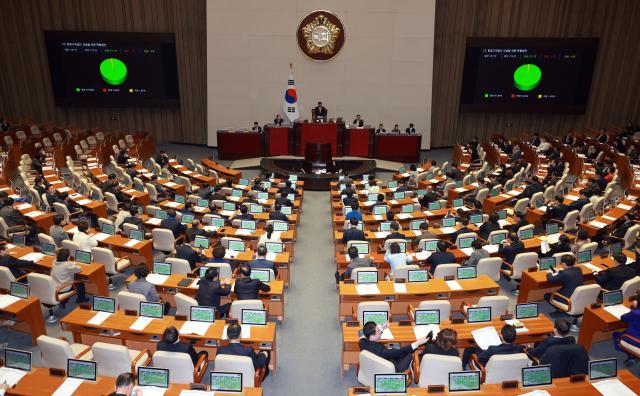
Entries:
{"x":320,"y":35}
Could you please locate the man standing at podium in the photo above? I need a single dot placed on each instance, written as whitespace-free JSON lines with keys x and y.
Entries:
{"x":411,"y":129}
{"x":320,"y":112}
{"x":381,"y":129}
{"x":256,"y":127}
{"x":358,"y":122}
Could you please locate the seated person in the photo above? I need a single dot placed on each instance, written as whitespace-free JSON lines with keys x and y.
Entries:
{"x":276,"y":214}
{"x":63,"y":271}
{"x":244,"y":214}
{"x":632,"y":318}
{"x":349,"y":200}
{"x":204,"y":192}
{"x":492,"y":224}
{"x":395,"y":258}
{"x":508,"y":335}
{"x":171,"y":223}
{"x":353,"y":233}
{"x":556,"y":209}
{"x":561,"y":330}
{"x":17,"y":266}
{"x":57,"y":232}
{"x":464,"y":221}
{"x":478,"y":254}
{"x":621,"y":230}
{"x":563,"y":245}
{"x":125,"y":385}
{"x":424,"y":234}
{"x":210,"y":289}
{"x":146,"y":288}
{"x":133,"y":218}
{"x":355,"y":262}
{"x":256,"y":127}
{"x":355,"y":213}
{"x":520,"y":220}
{"x":511,"y":247}
{"x":261,"y":262}
{"x":83,"y":239}
{"x":401,"y":358}
{"x":160,"y":189}
{"x":441,"y":256}
{"x":218,"y":254}
{"x":235,"y":347}
{"x":13,"y":218}
{"x":395,"y":231}
{"x":568,"y":275}
{"x":287,"y":189}
{"x":171,"y":343}
{"x":616,"y":275}
{"x":446,"y":343}
{"x":247,"y":288}
{"x":269,"y":235}
{"x":283,"y":200}
{"x":186,"y":252}
{"x":582,"y":237}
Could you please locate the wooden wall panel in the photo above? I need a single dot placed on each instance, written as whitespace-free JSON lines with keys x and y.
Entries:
{"x":25,"y":86}
{"x":614,"y":97}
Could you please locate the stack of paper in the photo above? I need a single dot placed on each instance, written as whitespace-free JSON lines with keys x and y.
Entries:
{"x":422,"y":330}
{"x":434,"y":181}
{"x":617,"y":310}
{"x":100,"y":236}
{"x":157,"y":279}
{"x":504,"y":223}
{"x":23,"y":206}
{"x":399,"y":287}
{"x":84,"y":202}
{"x":155,"y":221}
{"x":377,"y":217}
{"x":7,"y":299}
{"x":64,"y":189}
{"x":386,"y":334}
{"x":422,"y":255}
{"x":520,"y":327}
{"x":33,"y":256}
{"x":460,"y":189}
{"x":271,"y":256}
{"x":151,"y":391}
{"x":366,"y":289}
{"x":172,"y":204}
{"x":99,"y":318}
{"x":571,"y":197}
{"x":485,"y":337}
{"x":448,"y":230}
{"x":597,"y":224}
{"x":140,"y":323}
{"x":624,"y":207}
{"x":393,"y":202}
{"x":613,"y":387}
{"x":246,"y":332}
{"x":591,"y":267}
{"x":381,"y":234}
{"x":199,"y":328}
{"x":72,"y":230}
{"x":467,"y":251}
{"x":68,"y":387}
{"x":453,"y":285}
{"x":34,"y":213}
{"x":609,"y":218}
{"x":536,"y":393}
{"x":132,"y":243}
{"x":187,"y":392}
{"x":11,"y":376}
{"x":226,"y":213}
{"x":491,"y":248}
{"x":428,"y":213}
{"x":243,"y":232}
{"x":553,"y":238}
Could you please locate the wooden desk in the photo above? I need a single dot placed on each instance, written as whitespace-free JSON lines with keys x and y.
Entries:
{"x":404,"y":335}
{"x":598,"y":325}
{"x":223,"y":171}
{"x":194,"y":176}
{"x":40,"y":383}
{"x":277,"y":139}
{"x":358,"y":142}
{"x":400,"y":147}
{"x":434,"y":289}
{"x":28,"y":317}
{"x":319,"y":132}
{"x":240,"y":144}
{"x":98,"y":208}
{"x":262,"y":337}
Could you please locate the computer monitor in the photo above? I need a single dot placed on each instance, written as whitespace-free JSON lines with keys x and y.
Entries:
{"x":415,"y":224}
{"x":260,"y":274}
{"x":136,"y":235}
{"x":539,"y":202}
{"x":467,"y":272}
{"x":421,"y":193}
{"x":526,"y":234}
{"x":95,"y":196}
{"x":399,"y":195}
{"x":286,"y":210}
{"x":553,"y":228}
{"x":346,"y":210}
{"x":363,"y":247}
{"x":280,"y":226}
{"x":476,"y":219}
{"x":380,"y":210}
{"x":48,"y":249}
{"x":459,"y":183}
{"x":584,"y":256}
{"x":255,"y":209}
{"x":478,"y":314}
{"x":17,"y":359}
{"x":497,"y":238}
{"x":19,"y":290}
{"x":187,"y":218}
{"x":293,"y":178}
{"x":472,"y":179}
{"x":403,"y":169}
{"x":427,"y":316}
{"x":466,"y":242}
{"x":407,"y":208}
{"x":458,"y":202}
{"x":82,"y":256}
{"x":162,"y":268}
{"x":262,"y":195}
{"x":385,"y":226}
{"x":536,"y":375}
{"x":372,"y":197}
{"x":603,"y":368}
{"x":464,"y":381}
{"x":448,"y":222}
{"x":393,"y":184}
{"x":236,"y":193}
{"x":615,"y":248}
{"x":417,"y":275}
{"x":202,"y":203}
{"x":613,"y":297}
{"x":274,"y":247}
{"x":237,"y":246}
{"x":502,"y":214}
{"x":248,"y":225}
{"x":151,"y":376}
{"x":201,"y":242}
{"x":217,"y":222}
{"x":435,"y":205}
{"x":201,"y":313}
{"x":18,"y":240}
{"x":253,"y":317}
{"x":403,"y":246}
{"x":431,"y":246}
{"x":151,"y":310}
{"x":179,"y":199}
{"x":547,"y":262}
{"x":495,"y":192}
{"x":379,"y":317}
{"x":389,"y":384}
{"x":230,"y":206}
{"x":225,"y":382}
{"x":365,"y":177}
{"x":526,"y":310}
{"x":104,"y":304}
{"x":243,"y":182}
{"x":360,"y":226}
{"x":160,"y":214}
{"x":364,"y":277}
{"x":81,"y":369}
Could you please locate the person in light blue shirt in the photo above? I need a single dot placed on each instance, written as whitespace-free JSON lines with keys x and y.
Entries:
{"x":395,"y":258}
{"x":354,"y":214}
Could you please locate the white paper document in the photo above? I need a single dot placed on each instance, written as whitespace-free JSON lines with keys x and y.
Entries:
{"x":34,"y":213}
{"x":428,"y":213}
{"x":243,"y":232}
{"x":624,"y":207}
{"x":610,"y":218}
{"x":536,"y":392}
{"x":423,"y":255}
{"x":485,"y":337}
{"x":404,"y":216}
{"x":399,"y":287}
{"x":132,"y":243}
{"x":613,"y":387}
{"x":100,"y":236}
{"x":23,"y":206}
{"x":99,"y":318}
{"x":597,"y":224}
{"x":367,"y":289}
{"x":422,"y":330}
{"x":460,"y":189}
{"x":64,"y":189}
{"x":191,"y":327}
{"x":7,"y":299}
{"x":245,"y":333}
{"x":467,"y":251}
{"x":187,"y":392}
{"x":140,"y":323}
{"x":154,"y":221}
{"x":504,"y":223}
{"x":172,"y":204}
{"x":592,"y":267}
{"x":381,"y":234}
{"x":520,"y":328}
{"x":617,"y":310}
{"x":68,"y":387}
{"x":491,"y":248}
{"x":157,"y":279}
{"x":571,"y":197}
{"x":377,"y":217}
{"x":151,"y":391}
{"x":271,"y":256}
{"x":11,"y":376}
{"x":33,"y":256}
{"x":453,"y":285}
{"x":448,"y":230}
{"x":386,"y":334}
{"x":84,"y":201}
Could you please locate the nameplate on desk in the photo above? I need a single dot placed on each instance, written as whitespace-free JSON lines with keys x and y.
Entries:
{"x":435,"y":388}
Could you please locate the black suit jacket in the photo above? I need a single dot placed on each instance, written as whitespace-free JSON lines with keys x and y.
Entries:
{"x":209,"y":293}
{"x":174,"y":225}
{"x":487,"y":228}
{"x":548,"y":342}
{"x":395,"y":235}
{"x":578,"y":204}
{"x":536,"y":141}
{"x":353,"y":234}
{"x":566,"y":360}
{"x":348,"y":201}
{"x":132,"y":220}
{"x":358,"y":122}
{"x":438,"y":258}
{"x":559,"y":212}
{"x":278,"y":216}
{"x":179,"y":347}
{"x":622,"y":229}
{"x":410,"y":130}
{"x":433,"y":349}
{"x":249,"y":289}
{"x":613,"y":278}
{"x":187,"y":253}
{"x":502,"y":349}
{"x":238,"y":349}
{"x":320,"y":111}
{"x":570,"y":279}
{"x":283,"y":201}
{"x":463,"y":230}
{"x":16,"y":266}
{"x":510,"y":252}
{"x":380,"y":350}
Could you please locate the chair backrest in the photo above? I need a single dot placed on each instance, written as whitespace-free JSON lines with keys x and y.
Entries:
{"x":567,"y":359}
{"x":238,"y":305}
{"x":443,"y":305}
{"x":43,"y":287}
{"x":6,"y":277}
{"x":582,"y":297}
{"x":128,"y":300}
{"x":482,"y":194}
{"x":388,"y":243}
{"x":381,"y":306}
{"x":179,"y":364}
{"x":112,"y":359}
{"x":350,"y":243}
{"x":224,"y":241}
{"x":178,"y":266}
{"x":523,"y":262}
{"x":598,"y":205}
{"x":570,"y":221}
{"x":435,"y":369}
{"x":592,"y":246}
{"x":224,"y":269}
{"x":163,"y":240}
{"x":354,"y":273}
{"x":535,"y":198}
{"x":465,"y":235}
{"x":586,"y":212}
{"x":71,"y":246}
{"x":524,"y":228}
{"x":237,"y":364}
{"x":499,"y":304}
{"x":105,"y":257}
{"x":630,"y":236}
{"x":629,"y":288}
{"x":402,"y":271}
{"x":54,"y":352}
{"x":112,"y":201}
{"x":423,"y":243}
{"x":548,"y":193}
{"x":490,"y":266}
{"x":521,"y":205}
{"x":370,"y":365}
{"x":443,"y":270}
{"x":502,"y":368}
{"x":184,"y":304}
{"x":61,"y":209}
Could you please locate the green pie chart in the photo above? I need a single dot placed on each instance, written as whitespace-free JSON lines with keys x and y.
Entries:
{"x":527,"y":77}
{"x":113,"y":71}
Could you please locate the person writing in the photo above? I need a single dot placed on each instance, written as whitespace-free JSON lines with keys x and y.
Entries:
{"x":401,"y":358}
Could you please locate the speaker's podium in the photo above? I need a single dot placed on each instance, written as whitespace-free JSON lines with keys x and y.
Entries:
{"x":331,"y":132}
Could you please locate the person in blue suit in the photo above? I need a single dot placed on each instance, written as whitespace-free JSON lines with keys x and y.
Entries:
{"x":632,"y":318}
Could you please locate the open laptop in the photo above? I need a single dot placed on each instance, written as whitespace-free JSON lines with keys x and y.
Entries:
{"x":253,"y":317}
{"x":417,"y":275}
{"x":603,"y":368}
{"x":151,"y":376}
{"x":536,"y":375}
{"x":435,"y":205}
{"x":280,"y":226}
{"x":254,"y":209}
{"x":151,"y":310}
{"x":615,"y":248}
{"x":237,"y":246}
{"x":274,"y":247}
{"x":48,"y":249}
{"x":179,"y":199}
{"x":81,"y":369}
{"x":464,"y":381}
{"x":478,"y":314}
{"x":225,"y":382}
{"x":399,"y":195}
{"x":613,"y":297}
{"x":202,"y":314}
{"x":427,"y":316}
{"x":553,"y":228}
{"x":584,"y":256}
{"x":526,"y":234}
{"x":378,"y":317}
{"x":476,"y":219}
{"x":136,"y":235}
{"x":18,"y":240}
{"x":19,"y":290}
{"x":187,"y":218}
{"x":83,"y":256}
{"x":457,"y":203}
{"x":389,"y":384}
{"x":466,"y":272}
{"x":363,"y":248}
{"x":104,"y":304}
{"x":415,"y":224}
{"x":385,"y":226}
{"x":431,"y":246}
{"x":201,"y":242}
{"x":526,"y":310}
{"x":367,"y":277}
{"x":17,"y":359}
{"x":464,"y":243}
{"x":260,"y":274}
{"x":248,"y":225}
{"x":108,"y":229}
{"x":502,"y":214}
{"x":380,"y":210}
{"x":160,"y":214}
{"x":448,"y":222}
{"x":497,"y":238}
{"x":162,"y":268}
{"x":547,"y":262}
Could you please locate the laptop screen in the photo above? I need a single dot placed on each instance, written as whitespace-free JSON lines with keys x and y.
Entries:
{"x":526,"y":311}
{"x":367,"y":277}
{"x":478,"y":314}
{"x":104,"y":304}
{"x":236,"y":193}
{"x":584,"y":256}
{"x":179,"y":198}
{"x":229,"y":206}
{"x":466,"y":242}
{"x":431,"y":246}
{"x":448,"y":222}
{"x":48,"y":249}
{"x":160,"y":214}
{"x":274,"y":247}
{"x":81,"y":369}
{"x":226,"y":382}
{"x":615,"y":248}
{"x":263,"y":195}
{"x":526,"y":234}
{"x":108,"y":228}
{"x":393,"y":184}
{"x":260,"y":274}
{"x":203,"y":203}
{"x":243,"y":182}
{"x":613,"y":297}
{"x":407,"y":208}
{"x":458,"y":202}
{"x":434,"y":205}
{"x":553,"y":228}
{"x":136,"y":235}
{"x":603,"y":368}
{"x":19,"y":290}
{"x":476,"y":219}
{"x":495,"y":192}
{"x":162,"y":268}
{"x":202,"y":314}
{"x":363,"y":248}
{"x":415,"y":224}
{"x":427,"y":316}
{"x":217,"y":221}
{"x":497,"y":238}
{"x":399,"y":195}
{"x":151,"y":310}
{"x":151,"y":376}
{"x":187,"y":218}
{"x":16,"y":359}
{"x":256,"y":209}
{"x":379,"y":210}
{"x":254,"y":317}
{"x":236,"y":246}
{"x":201,"y":242}
{"x":18,"y":240}
{"x":418,"y":275}
{"x":536,"y":376}
{"x":379,"y":317}
{"x":464,"y":381}
{"x":286,"y":210}
{"x":502,"y":214}
{"x":390,"y":383}
{"x":248,"y":225}
{"x":467,"y":272}
{"x":83,"y":256}
{"x":547,"y":262}
{"x":385,"y":226}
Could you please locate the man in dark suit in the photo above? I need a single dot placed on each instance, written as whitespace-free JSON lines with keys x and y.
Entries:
{"x":244,"y":214}
{"x":287,"y":189}
{"x":441,"y":256}
{"x":349,"y":199}
{"x":621,"y":230}
{"x":278,"y":120}
{"x":410,"y":129}
{"x":204,"y":192}
{"x":171,"y":343}
{"x":464,"y":220}
{"x":569,"y":276}
{"x":133,"y":219}
{"x":358,"y":122}
{"x":17,"y":267}
{"x":561,"y":330}
{"x":110,"y":184}
{"x":614,"y":277}
{"x":569,"y":139}
{"x":125,"y":385}
{"x":261,"y":262}
{"x":580,"y":202}
{"x":353,"y":233}
{"x":557,"y":210}
{"x":170,"y":223}
{"x":276,"y":214}
{"x":401,"y":358}
{"x":260,"y":359}
{"x":395,"y":231}
{"x":454,"y":172}
{"x":256,"y":127}
{"x":508,"y":335}
{"x":428,"y":197}
{"x":381,"y":129}
{"x":217,"y":195}
{"x":536,"y":140}
{"x":511,"y":247}
{"x":210,"y":289}
{"x":185,"y":252}
{"x":533,"y":187}
{"x":13,"y":218}
{"x":492,"y":224}
{"x":520,"y":220}
{"x":283,"y":200}
{"x":247,"y":288}
{"x":320,"y":112}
